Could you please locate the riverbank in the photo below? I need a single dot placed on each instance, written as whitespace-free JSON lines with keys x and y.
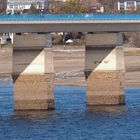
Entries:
{"x":69,"y":62}
{"x":70,"y":65}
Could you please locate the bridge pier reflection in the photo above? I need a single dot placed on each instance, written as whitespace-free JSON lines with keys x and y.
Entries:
{"x":98,"y":110}
{"x":104,"y":69}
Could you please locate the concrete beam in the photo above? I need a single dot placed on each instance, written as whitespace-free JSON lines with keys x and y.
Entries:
{"x":104,"y":39}
{"x":100,"y":26}
{"x":30,"y":41}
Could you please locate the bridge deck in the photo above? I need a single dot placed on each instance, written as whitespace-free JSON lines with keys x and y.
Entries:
{"x":70,"y":23}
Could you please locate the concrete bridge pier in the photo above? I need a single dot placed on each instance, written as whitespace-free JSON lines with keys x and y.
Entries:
{"x":104,"y":69}
{"x":33,"y":72}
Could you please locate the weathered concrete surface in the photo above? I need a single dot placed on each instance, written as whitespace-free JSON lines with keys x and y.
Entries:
{"x":30,"y":41}
{"x":132,"y":57}
{"x":104,"y":39}
{"x":33,"y":92}
{"x":33,"y":80}
{"x":49,"y":61}
{"x":6,"y":55}
{"x":132,"y":66}
{"x":104,"y":74}
{"x":105,"y":88}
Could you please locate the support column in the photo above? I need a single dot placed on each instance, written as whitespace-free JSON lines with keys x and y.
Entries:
{"x":33,"y":72}
{"x":104,"y":69}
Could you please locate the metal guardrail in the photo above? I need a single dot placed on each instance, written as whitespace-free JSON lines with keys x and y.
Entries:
{"x":69,"y":17}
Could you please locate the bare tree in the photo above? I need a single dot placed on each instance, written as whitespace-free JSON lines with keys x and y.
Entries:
{"x":68,"y":7}
{"x":3,"y":4}
{"x":110,"y":6}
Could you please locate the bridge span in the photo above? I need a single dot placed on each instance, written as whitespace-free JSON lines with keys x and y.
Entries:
{"x":70,"y":23}
{"x":33,"y":67}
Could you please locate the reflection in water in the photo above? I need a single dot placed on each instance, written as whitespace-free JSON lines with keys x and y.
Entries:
{"x":106,"y":109}
{"x":90,"y":110}
{"x":33,"y":115}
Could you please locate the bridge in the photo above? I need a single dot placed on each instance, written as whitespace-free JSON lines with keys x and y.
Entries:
{"x":33,"y":68}
{"x":70,"y":23}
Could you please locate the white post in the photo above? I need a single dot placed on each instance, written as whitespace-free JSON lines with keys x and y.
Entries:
{"x":135,"y":4}
{"x":119,"y":8}
{"x":125,"y":6}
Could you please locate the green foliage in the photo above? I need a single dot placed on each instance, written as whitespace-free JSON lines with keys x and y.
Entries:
{"x":33,"y":10}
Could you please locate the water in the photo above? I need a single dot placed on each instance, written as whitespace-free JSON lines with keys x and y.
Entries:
{"x":71,"y":120}
{"x":69,"y":17}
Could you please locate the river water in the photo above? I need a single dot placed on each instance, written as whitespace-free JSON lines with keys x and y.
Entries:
{"x":71,"y":120}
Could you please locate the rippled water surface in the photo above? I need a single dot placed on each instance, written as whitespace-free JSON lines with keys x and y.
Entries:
{"x":71,"y":120}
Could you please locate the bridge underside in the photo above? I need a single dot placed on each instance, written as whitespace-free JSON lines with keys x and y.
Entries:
{"x":109,"y":26}
{"x":33,"y":71}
